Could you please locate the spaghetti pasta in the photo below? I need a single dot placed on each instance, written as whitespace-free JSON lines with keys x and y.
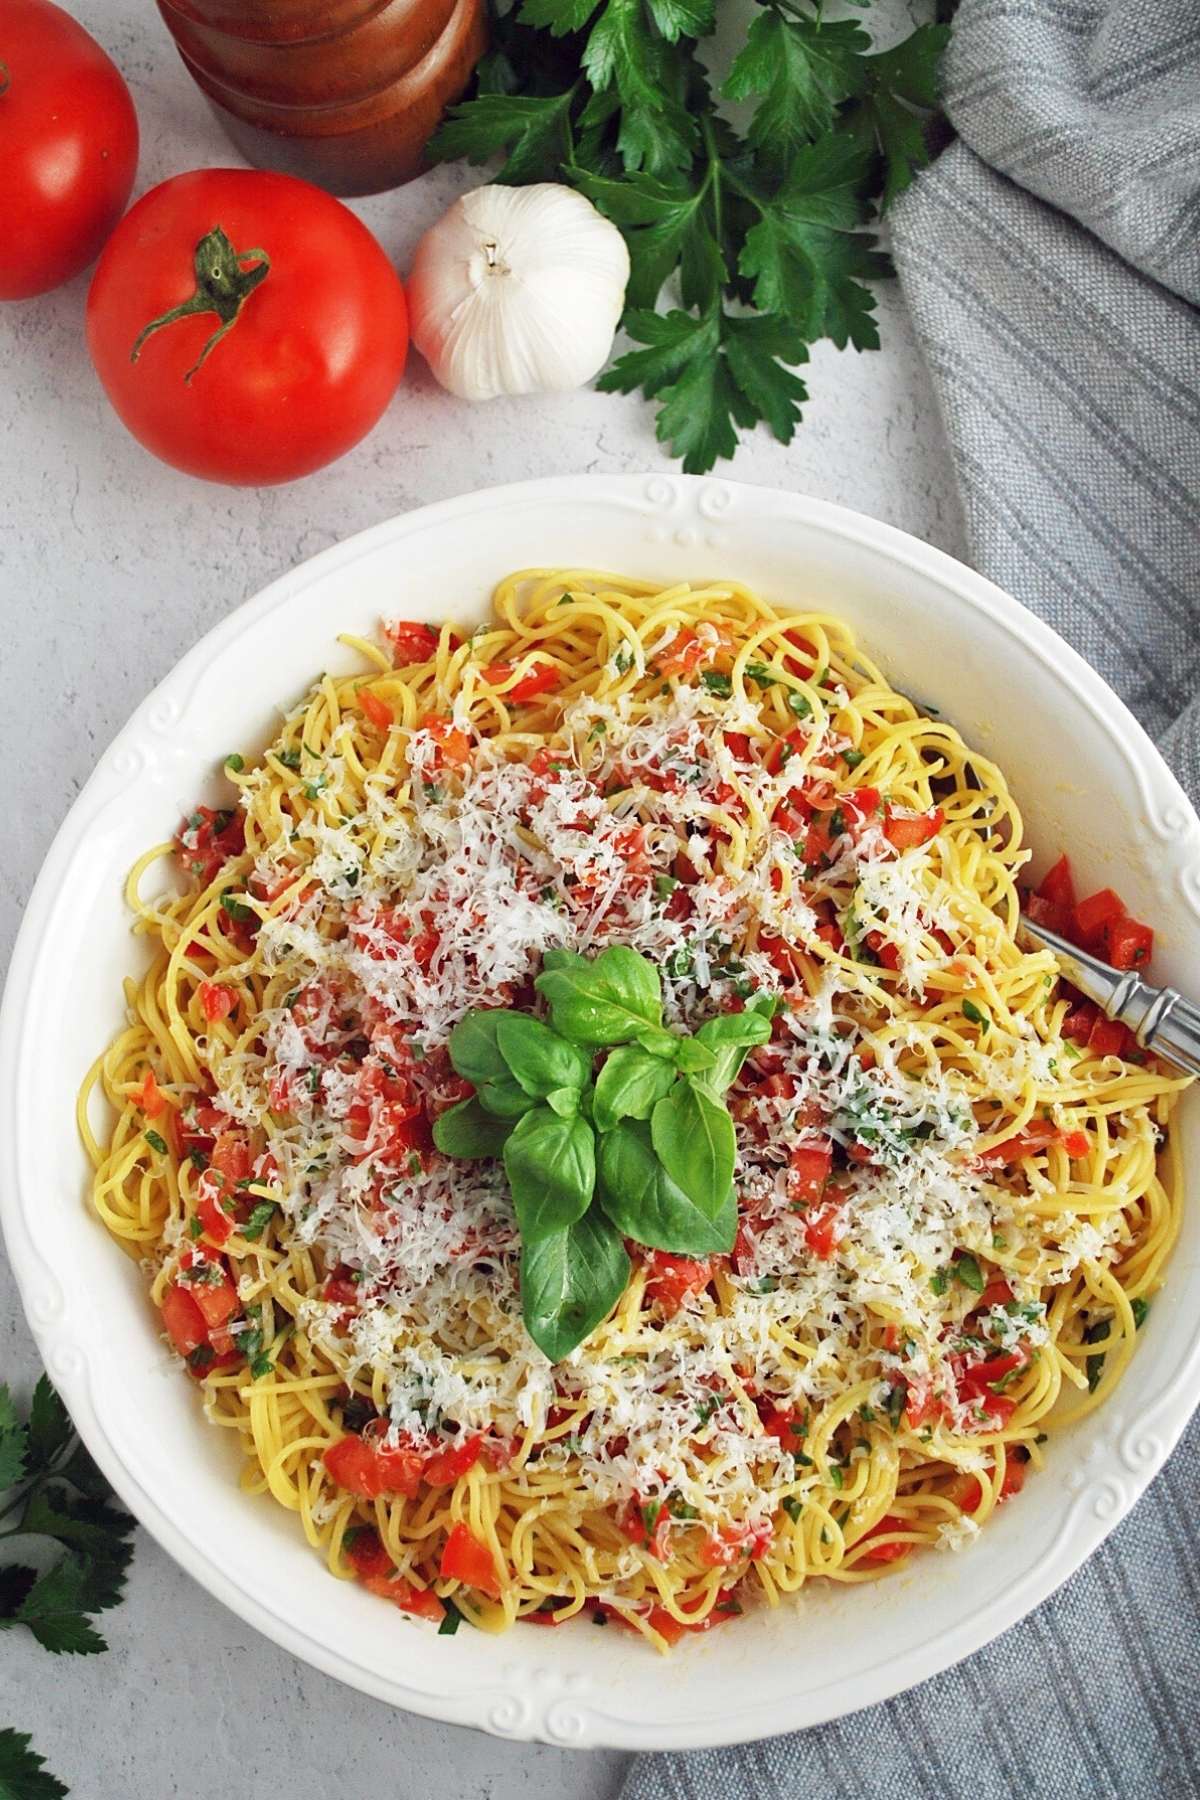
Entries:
{"x":952,"y":1211}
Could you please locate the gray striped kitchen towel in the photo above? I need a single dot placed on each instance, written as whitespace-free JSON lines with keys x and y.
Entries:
{"x":1051,"y":261}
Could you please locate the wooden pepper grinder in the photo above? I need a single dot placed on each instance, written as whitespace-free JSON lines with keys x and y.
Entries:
{"x":346,"y":93}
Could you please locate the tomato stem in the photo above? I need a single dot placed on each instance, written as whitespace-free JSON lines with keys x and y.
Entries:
{"x":222,"y":287}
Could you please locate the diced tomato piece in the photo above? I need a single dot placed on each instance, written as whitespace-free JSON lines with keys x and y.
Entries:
{"x":906,"y":831}
{"x":232,"y":1157}
{"x":149,"y":1096}
{"x":366,"y":1553}
{"x":216,"y":1001}
{"x":423,"y":1603}
{"x":886,"y":954}
{"x":454,"y":746}
{"x":411,"y":642}
{"x":217,"y":1224}
{"x":370,"y":1468}
{"x":673,"y":1279}
{"x":1078,"y":1024}
{"x":738,"y":745}
{"x":817,"y":843}
{"x":1108,"y":1037}
{"x":966,"y":1491}
{"x":376,"y":710}
{"x":1045,"y":912}
{"x":217,"y":1300}
{"x":450,"y":1465}
{"x":732,"y":1542}
{"x":542,"y":678}
{"x":922,"y":1404}
{"x":858,"y":804}
{"x":1057,"y":886}
{"x":1076,"y":1143}
{"x":206,"y":841}
{"x":974,"y":1380}
{"x":340,"y":1288}
{"x":996,"y":1293}
{"x":1099,"y":910}
{"x":781,"y":954}
{"x":833,"y":936}
{"x":1128,"y":944}
{"x":782,"y":1422}
{"x":1037,"y":1135}
{"x":782,"y":750}
{"x":1016,"y":1468}
{"x":183,"y":1319}
{"x":653,"y":1537}
{"x":821,"y":1229}
{"x":808,"y":1171}
{"x":886,"y":1552}
{"x":465,"y":1559}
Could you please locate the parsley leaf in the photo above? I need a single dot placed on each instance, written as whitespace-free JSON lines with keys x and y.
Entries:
{"x":54,"y":1491}
{"x":23,"y":1773}
{"x":802,"y":68}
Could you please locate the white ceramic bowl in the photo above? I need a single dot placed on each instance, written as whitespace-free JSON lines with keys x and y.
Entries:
{"x":1086,"y":777}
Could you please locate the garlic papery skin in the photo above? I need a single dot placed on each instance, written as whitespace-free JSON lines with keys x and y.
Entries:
{"x":517,"y":290}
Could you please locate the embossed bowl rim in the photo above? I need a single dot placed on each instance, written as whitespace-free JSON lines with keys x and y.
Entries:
{"x":1088,"y":777}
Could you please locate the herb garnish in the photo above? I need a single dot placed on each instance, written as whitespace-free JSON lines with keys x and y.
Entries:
{"x":644,"y":1151}
{"x":611,"y":96}
{"x":52,"y":1490}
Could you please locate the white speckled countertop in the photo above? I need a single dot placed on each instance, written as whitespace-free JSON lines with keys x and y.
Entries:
{"x":110,"y":567}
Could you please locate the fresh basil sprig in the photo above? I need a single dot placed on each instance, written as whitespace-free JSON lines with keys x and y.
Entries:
{"x":643,"y":1149}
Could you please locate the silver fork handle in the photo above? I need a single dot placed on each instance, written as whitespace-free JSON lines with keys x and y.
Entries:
{"x":1161,"y":1020}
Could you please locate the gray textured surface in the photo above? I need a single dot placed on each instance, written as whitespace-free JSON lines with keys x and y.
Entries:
{"x":110,"y":567}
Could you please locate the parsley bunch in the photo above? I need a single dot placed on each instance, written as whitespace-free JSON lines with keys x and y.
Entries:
{"x":644,"y":1151}
{"x":50,"y":1489}
{"x":756,"y":234}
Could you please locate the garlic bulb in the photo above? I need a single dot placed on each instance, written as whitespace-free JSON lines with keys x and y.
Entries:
{"x":517,"y":291}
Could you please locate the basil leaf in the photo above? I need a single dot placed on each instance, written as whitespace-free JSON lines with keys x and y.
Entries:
{"x":628,"y":1086}
{"x":645,"y":1204}
{"x":564,"y":1101}
{"x":538,"y":1058}
{"x":506,"y":1098}
{"x":467,"y":1130}
{"x":474,"y":1049}
{"x":659,"y":1043}
{"x":570,"y":1280}
{"x":966,"y":1269}
{"x":607,"y":1001}
{"x":692,"y":1056}
{"x":551,"y":1167}
{"x":693,"y":1138}
{"x":729,"y":1037}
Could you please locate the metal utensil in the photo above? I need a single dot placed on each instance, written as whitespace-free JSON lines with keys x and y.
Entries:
{"x":1159,"y":1017}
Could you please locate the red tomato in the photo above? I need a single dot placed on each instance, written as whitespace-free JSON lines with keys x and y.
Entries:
{"x":218,"y":1226}
{"x":1037,"y":1135}
{"x":542,"y":678}
{"x":465,"y":1559}
{"x":68,"y":147}
{"x":206,"y":841}
{"x":365,"y":1552}
{"x":149,"y":1096}
{"x":216,"y":1002}
{"x":246,"y":326}
{"x":446,"y":1466}
{"x":422,"y":1602}
{"x":183,"y":1320}
{"x":673,"y":1279}
{"x":369,"y":1469}
{"x":653,"y":1537}
{"x":375,"y":710}
{"x":1095,"y":914}
{"x":217,"y":1301}
{"x":886,"y":1552}
{"x":808,"y":1171}
{"x":821,"y":1232}
{"x":1058,"y":886}
{"x":1128,"y":944}
{"x":908,"y":831}
{"x":411,"y":643}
